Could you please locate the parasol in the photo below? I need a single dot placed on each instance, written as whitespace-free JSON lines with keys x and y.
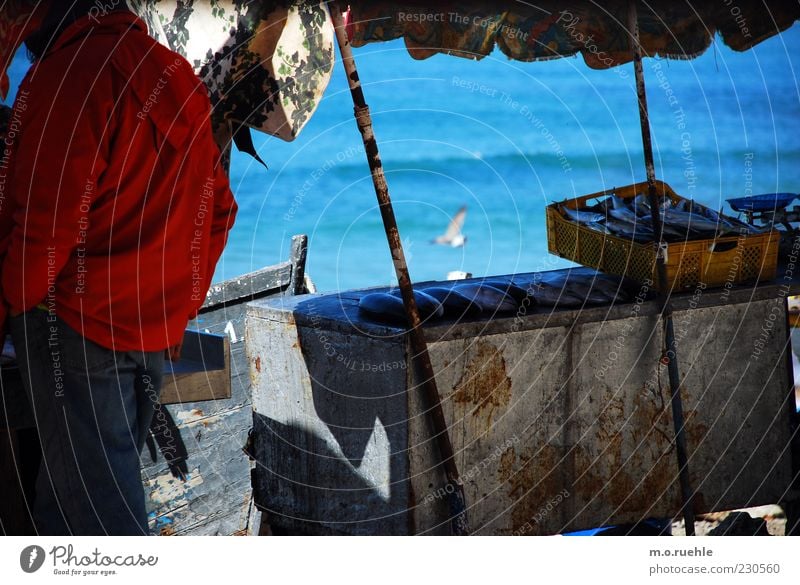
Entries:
{"x":550,"y":29}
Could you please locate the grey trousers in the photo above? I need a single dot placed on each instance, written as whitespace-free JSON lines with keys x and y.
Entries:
{"x":93,"y":408}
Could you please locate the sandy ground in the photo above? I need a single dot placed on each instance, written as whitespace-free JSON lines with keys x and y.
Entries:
{"x":773,"y":515}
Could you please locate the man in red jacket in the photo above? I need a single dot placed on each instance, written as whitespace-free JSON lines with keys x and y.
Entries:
{"x":114,"y":214}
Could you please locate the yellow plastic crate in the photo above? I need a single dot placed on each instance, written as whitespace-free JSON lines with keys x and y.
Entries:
{"x":714,"y":262}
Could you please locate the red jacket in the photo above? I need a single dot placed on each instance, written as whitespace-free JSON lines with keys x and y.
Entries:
{"x":116,"y":208}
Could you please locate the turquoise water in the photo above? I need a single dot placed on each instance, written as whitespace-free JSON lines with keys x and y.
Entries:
{"x":506,"y":138}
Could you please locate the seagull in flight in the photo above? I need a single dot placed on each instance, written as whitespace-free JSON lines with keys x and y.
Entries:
{"x":453,"y":236}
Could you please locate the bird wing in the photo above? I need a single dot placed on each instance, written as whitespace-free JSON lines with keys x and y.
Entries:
{"x":456,"y":223}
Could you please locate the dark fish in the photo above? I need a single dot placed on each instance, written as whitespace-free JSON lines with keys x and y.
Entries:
{"x":624,"y":214}
{"x":383,"y":307}
{"x":669,"y":232}
{"x":579,"y":286}
{"x":623,"y":288}
{"x":582,"y":216}
{"x":740,"y":226}
{"x":389,"y":306}
{"x":637,"y":225}
{"x":683,"y":219}
{"x":455,"y":304}
{"x":553,"y":296}
{"x":428,"y":306}
{"x":615,"y":288}
{"x":515,"y":292}
{"x":618,"y":202}
{"x":602,"y":206}
{"x":734,"y":224}
{"x":639,"y":232}
{"x":491,"y":299}
{"x":681,"y":205}
{"x":599,"y":227}
{"x":641,"y":205}
{"x":710,"y":214}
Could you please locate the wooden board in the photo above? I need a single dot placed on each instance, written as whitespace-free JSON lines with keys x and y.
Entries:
{"x":211,"y":378}
{"x":207,"y":490}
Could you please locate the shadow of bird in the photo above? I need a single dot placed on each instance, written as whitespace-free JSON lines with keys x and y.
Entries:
{"x":453,"y":236}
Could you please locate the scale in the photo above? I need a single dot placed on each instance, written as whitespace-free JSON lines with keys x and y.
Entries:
{"x":768,"y":210}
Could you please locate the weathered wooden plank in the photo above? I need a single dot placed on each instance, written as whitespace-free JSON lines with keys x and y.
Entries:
{"x":215,"y":495}
{"x":216,"y":487}
{"x":212,"y":433}
{"x":212,"y":378}
{"x":249,"y":286}
{"x":298,"y":259}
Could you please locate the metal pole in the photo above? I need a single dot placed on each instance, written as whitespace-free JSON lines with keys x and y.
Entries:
{"x":687,"y":495}
{"x":421,"y":357}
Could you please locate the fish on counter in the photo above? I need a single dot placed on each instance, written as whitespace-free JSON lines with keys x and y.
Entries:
{"x":491,"y":299}
{"x":454,"y":303}
{"x":549,"y":295}
{"x":681,"y":220}
{"x":388,"y":306}
{"x":592,"y":292}
{"x":562,"y":289}
{"x":518,"y":293}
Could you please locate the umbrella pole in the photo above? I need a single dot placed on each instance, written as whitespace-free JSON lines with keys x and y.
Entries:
{"x":419,"y":346}
{"x":666,"y":307}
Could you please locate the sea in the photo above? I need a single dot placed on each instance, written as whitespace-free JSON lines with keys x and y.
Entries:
{"x":505,"y":139}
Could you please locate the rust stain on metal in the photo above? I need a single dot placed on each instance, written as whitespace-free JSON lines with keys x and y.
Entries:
{"x":533,"y":478}
{"x":484,"y":384}
{"x":258,"y":364}
{"x":626,"y":460}
{"x":505,"y":468}
{"x":623,"y":464}
{"x":697,"y":433}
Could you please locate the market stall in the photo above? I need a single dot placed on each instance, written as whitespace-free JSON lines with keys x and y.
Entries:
{"x":668,"y":30}
{"x":506,"y":422}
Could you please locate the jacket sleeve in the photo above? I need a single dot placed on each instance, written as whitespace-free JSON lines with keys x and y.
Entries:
{"x":224,"y":214}
{"x":61,"y":150}
{"x":6,"y":205}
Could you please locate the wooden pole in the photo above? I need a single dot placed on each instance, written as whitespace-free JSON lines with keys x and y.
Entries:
{"x":298,"y":258}
{"x":671,"y":357}
{"x":421,"y":358}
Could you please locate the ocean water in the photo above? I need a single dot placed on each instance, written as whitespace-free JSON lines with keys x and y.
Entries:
{"x":506,"y":139}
